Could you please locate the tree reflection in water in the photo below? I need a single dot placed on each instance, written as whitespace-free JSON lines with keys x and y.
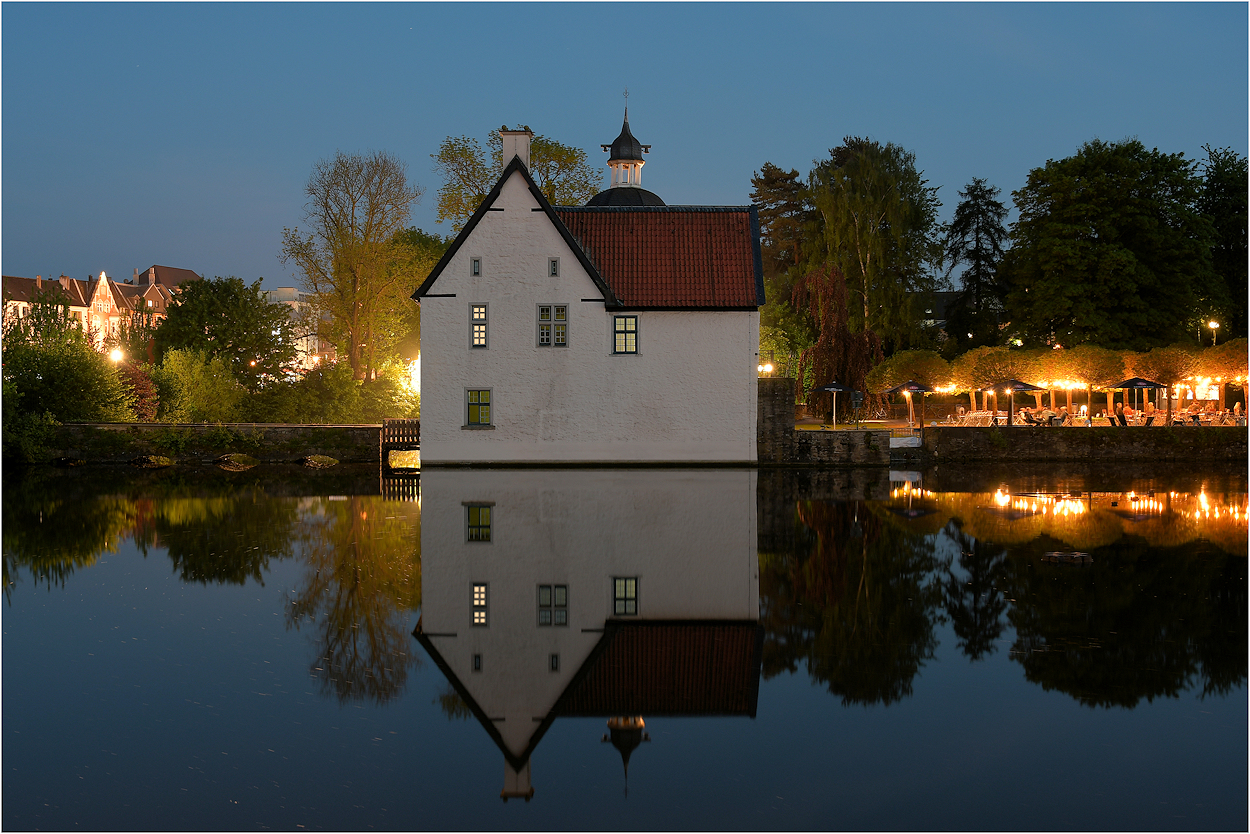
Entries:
{"x":976,"y":605}
{"x":1138,"y":623}
{"x":857,"y":604}
{"x":227,"y":538}
{"x":857,"y":591}
{"x":362,"y":583}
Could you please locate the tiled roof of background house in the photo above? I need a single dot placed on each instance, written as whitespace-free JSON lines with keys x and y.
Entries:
{"x":168,"y":275}
{"x":673,"y":257}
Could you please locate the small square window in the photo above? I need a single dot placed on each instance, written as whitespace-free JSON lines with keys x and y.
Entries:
{"x":553,"y":605}
{"x":477,"y":522}
{"x":553,"y":267}
{"x":475,"y":266}
{"x":625,"y":596}
{"x":625,"y":334}
{"x":477,"y":663}
{"x":478,"y":323}
{"x":479,"y":603}
{"x":478,"y":403}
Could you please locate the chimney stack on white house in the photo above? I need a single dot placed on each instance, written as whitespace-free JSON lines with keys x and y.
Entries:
{"x":38,"y":282}
{"x":516,"y":143}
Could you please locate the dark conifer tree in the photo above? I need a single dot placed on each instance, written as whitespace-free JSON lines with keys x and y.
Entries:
{"x":975,"y":241}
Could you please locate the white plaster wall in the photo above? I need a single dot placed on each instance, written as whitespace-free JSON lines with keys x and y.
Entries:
{"x":688,"y":395}
{"x":689,"y":536}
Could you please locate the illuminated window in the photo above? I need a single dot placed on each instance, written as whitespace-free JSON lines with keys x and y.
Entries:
{"x":479,"y":603}
{"x":626,"y":334}
{"x":553,"y":605}
{"x":478,"y":402}
{"x":625,"y":596}
{"x":553,"y":325}
{"x":477,"y":522}
{"x":477,"y":325}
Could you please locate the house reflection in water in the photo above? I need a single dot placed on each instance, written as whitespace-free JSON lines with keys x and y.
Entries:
{"x":622,"y":594}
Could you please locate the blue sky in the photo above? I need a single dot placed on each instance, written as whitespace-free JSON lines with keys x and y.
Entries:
{"x":183,"y":134}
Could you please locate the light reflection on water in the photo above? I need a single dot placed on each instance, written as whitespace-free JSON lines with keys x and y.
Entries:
{"x":801,"y":655}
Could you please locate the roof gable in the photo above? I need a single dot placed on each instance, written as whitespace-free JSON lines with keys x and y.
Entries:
{"x":515,"y":166}
{"x":673,"y":257}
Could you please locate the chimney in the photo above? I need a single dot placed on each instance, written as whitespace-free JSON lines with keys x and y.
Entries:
{"x":151,"y":275}
{"x":134,"y":279}
{"x":516,"y":143}
{"x":39,"y":282}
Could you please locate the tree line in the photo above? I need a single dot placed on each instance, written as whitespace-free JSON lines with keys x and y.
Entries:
{"x":1117,"y":247}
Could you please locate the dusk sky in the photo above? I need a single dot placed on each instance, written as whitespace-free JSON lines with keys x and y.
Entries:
{"x":183,"y":135}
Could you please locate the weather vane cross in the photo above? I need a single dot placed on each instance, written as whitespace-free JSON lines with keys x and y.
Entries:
{"x":627,"y":95}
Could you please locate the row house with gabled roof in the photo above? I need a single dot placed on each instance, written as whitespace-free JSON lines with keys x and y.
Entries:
{"x":100,"y":304}
{"x":622,"y":331}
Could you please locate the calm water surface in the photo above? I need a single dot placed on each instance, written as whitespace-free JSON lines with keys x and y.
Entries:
{"x":764,"y":650}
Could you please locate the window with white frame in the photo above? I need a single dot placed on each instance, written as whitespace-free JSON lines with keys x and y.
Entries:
{"x":625,"y":334}
{"x":625,"y":596}
{"x":478,"y":321}
{"x":553,"y":325}
{"x":477,"y":407}
{"x":479,"y":603}
{"x":553,"y":605}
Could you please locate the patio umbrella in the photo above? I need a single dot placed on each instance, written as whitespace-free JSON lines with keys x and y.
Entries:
{"x":911,"y":387}
{"x":833,"y":388}
{"x":1011,"y":386}
{"x":1136,"y":384}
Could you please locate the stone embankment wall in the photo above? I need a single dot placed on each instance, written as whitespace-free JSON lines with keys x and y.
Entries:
{"x":266,"y":442}
{"x":1207,"y":444}
{"x":779,"y":442}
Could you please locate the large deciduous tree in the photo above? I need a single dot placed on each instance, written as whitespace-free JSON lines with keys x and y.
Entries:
{"x":1110,"y":248}
{"x":876,"y":222}
{"x":974,"y":240}
{"x":354,"y":260}
{"x":229,"y":320}
{"x":1224,"y":198}
{"x":560,"y":171}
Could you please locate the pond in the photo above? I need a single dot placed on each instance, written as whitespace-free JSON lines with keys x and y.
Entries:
{"x":624,"y":649}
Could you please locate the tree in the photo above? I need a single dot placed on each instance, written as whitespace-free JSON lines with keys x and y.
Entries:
{"x":1223,"y":201}
{"x":193,"y":388}
{"x":560,"y":171}
{"x":782,"y":212}
{"x":1167,"y":366}
{"x":923,"y":366}
{"x":225,"y":319}
{"x":1110,"y":248}
{"x":1226,"y":362}
{"x":876,"y":220}
{"x":837,"y":353}
{"x":51,"y":367}
{"x":354,"y":261}
{"x":975,"y":240}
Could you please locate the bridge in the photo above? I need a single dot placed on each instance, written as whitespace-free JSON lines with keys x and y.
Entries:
{"x":398,"y":436}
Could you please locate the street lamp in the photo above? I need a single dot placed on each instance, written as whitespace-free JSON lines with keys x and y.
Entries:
{"x":1215,"y":326}
{"x":116,"y":355}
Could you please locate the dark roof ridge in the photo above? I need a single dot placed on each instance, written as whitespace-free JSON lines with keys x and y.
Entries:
{"x":669,"y":208}
{"x":517,"y":165}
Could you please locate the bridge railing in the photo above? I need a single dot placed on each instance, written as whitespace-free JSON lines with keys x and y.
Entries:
{"x":396,"y":432}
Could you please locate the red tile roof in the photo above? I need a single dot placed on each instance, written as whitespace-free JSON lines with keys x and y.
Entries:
{"x":672,"y":257}
{"x":669,"y":668}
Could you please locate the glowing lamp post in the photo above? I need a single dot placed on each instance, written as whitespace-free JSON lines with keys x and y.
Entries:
{"x":116,"y":355}
{"x":1215,"y":326}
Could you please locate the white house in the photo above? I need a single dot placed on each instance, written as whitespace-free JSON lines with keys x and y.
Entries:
{"x":620,"y":331}
{"x":625,"y":594}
